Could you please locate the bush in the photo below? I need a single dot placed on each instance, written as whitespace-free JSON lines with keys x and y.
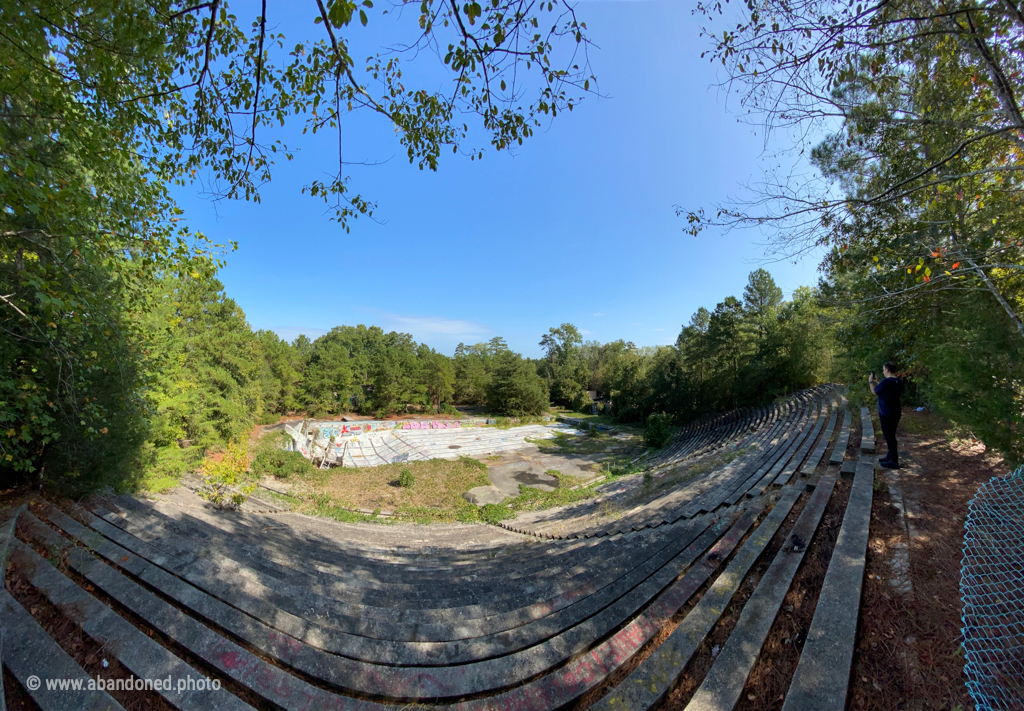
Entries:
{"x":224,"y":481}
{"x":281,"y":464}
{"x":658,"y":431}
{"x":406,"y":479}
{"x":447,"y":409}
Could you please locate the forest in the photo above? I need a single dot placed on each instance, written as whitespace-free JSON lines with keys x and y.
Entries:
{"x":121,"y":354}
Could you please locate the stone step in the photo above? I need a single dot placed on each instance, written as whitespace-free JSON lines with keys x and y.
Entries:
{"x":786,"y":475}
{"x":839,"y":451}
{"x":818,"y":454}
{"x":803,"y":431}
{"x":724,"y":682}
{"x":773,"y":453}
{"x":33,"y":658}
{"x":402,"y":682}
{"x":586,"y":565}
{"x":143,"y":657}
{"x":649,"y":682}
{"x":867,"y":431}
{"x":579,"y":603}
{"x":822,"y":675}
{"x":251,"y":533}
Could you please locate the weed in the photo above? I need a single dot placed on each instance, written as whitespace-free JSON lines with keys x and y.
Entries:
{"x":493,"y":513}
{"x":406,"y":479}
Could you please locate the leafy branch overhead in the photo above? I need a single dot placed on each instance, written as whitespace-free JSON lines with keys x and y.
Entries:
{"x":107,"y":105}
{"x":911,"y":115}
{"x":190,"y":87}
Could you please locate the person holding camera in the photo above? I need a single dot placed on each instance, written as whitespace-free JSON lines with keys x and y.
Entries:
{"x":888,"y":391}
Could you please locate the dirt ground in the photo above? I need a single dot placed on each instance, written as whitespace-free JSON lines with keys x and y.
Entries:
{"x":908,"y":654}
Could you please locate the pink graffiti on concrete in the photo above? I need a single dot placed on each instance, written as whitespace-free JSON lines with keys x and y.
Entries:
{"x":437,"y":425}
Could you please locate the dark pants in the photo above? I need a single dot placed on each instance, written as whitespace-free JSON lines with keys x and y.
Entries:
{"x":889,"y":423}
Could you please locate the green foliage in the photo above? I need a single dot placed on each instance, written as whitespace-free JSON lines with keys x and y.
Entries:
{"x":495,"y":513}
{"x":224,"y":481}
{"x":515,"y":389}
{"x":740,"y":354}
{"x":406,"y":479}
{"x":565,"y":368}
{"x":104,"y":107}
{"x":271,"y":459}
{"x":658,"y":431}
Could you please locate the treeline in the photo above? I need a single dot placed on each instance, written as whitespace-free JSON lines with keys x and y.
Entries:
{"x":746,"y":351}
{"x":211,"y":377}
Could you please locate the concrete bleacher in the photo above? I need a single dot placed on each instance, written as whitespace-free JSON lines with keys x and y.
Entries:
{"x":289,"y":611}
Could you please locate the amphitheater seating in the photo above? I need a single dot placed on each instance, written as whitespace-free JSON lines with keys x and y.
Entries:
{"x":288,"y":611}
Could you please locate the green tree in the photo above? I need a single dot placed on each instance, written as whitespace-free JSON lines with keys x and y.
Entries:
{"x":206,"y":366}
{"x":439,"y":378}
{"x":107,"y":105}
{"x":566,"y":370}
{"x":515,"y":389}
{"x":280,"y":377}
{"x":328,"y":377}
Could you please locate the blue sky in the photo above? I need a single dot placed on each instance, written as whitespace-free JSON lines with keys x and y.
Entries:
{"x":577,"y":226}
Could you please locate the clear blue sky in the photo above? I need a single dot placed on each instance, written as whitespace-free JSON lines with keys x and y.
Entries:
{"x":578,"y":226}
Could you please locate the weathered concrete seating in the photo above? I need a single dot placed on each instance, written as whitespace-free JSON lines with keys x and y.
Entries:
{"x":296,"y":613}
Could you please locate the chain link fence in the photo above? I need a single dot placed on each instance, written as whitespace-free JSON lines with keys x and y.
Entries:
{"x":992,"y":590}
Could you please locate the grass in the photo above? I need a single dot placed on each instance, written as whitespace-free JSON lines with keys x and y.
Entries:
{"x":437,"y":485}
{"x":533,"y":499}
{"x":158,"y":482}
{"x":435,"y":493}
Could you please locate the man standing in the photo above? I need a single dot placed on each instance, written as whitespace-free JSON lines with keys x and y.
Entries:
{"x":888,"y":392}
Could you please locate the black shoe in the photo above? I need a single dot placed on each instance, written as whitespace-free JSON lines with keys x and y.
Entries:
{"x":886,"y":464}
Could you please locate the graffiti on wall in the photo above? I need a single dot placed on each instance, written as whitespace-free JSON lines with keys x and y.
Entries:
{"x":340,"y":429}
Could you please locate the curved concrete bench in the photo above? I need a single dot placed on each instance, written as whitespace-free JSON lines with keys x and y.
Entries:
{"x":293,"y":614}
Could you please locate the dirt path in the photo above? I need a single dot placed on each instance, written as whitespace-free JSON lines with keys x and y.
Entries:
{"x":908,"y":654}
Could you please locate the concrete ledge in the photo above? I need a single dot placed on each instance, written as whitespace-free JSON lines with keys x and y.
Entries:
{"x":839,"y":451}
{"x":36,"y":655}
{"x":649,"y":682}
{"x":822,"y":676}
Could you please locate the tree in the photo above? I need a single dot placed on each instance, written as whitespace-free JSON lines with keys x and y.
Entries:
{"x":472,"y":373}
{"x":566,"y":371}
{"x":280,"y":377}
{"x":104,"y":107}
{"x":328,"y":377}
{"x":761,"y":296}
{"x":515,"y":389}
{"x":439,"y":377}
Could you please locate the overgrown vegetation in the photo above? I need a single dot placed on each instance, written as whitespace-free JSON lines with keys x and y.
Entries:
{"x":120,"y":354}
{"x":225,"y":477}
{"x":911,"y":114}
{"x":658,"y":431}
{"x":270,"y":459}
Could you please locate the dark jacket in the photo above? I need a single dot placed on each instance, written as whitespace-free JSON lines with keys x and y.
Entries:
{"x":888,"y":392}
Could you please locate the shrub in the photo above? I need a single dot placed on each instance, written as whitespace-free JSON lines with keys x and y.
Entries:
{"x":281,"y":464}
{"x":658,"y":431}
{"x":269,"y":458}
{"x":406,"y":479}
{"x":224,"y":481}
{"x":447,"y":409}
